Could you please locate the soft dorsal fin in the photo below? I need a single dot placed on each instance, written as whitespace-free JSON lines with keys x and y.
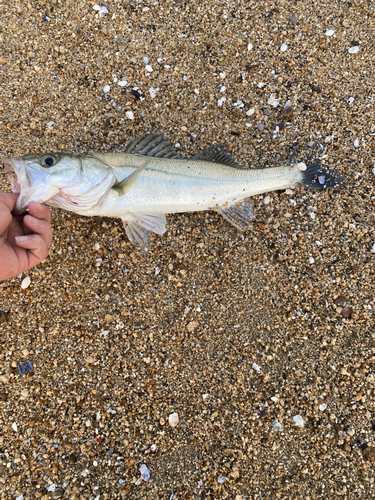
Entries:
{"x":218,"y":154}
{"x":153,"y":144}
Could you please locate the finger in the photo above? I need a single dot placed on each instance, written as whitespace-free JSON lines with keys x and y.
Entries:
{"x":33,"y":225}
{"x":7,"y":203}
{"x":38,"y":249}
{"x":40,"y":211}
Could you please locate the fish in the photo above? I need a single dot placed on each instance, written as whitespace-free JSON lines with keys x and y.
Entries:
{"x":149,"y":179}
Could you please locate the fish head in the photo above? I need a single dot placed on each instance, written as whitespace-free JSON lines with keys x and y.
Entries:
{"x":58,"y":179}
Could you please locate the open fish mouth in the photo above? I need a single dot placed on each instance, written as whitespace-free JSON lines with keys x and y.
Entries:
{"x":17,"y":173}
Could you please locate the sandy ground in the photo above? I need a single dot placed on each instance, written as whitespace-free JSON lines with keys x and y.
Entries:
{"x":234,"y":333}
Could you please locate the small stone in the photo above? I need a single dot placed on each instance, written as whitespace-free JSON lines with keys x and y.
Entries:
{"x":191,"y":326}
{"x":316,"y":88}
{"x":3,"y":316}
{"x":261,"y":127}
{"x":149,"y":68}
{"x":369,"y":453}
{"x":90,"y":360}
{"x":26,"y":282}
{"x":284,"y":47}
{"x":299,"y":422}
{"x":173,"y":419}
{"x":330,"y":32}
{"x":286,"y":111}
{"x":353,"y":50}
{"x":356,"y":143}
{"x":21,"y":369}
{"x":358,"y":397}
{"x":106,"y":88}
{"x":322,"y":407}
{"x":250,"y":46}
{"x":250,"y":112}
{"x":340,"y":301}
{"x":222,"y":75}
{"x":293,"y":20}
{"x":347,"y":312}
{"x":278,"y":427}
{"x":57,"y":493}
{"x":129,"y":115}
{"x":311,"y":260}
{"x":266,"y":200}
{"x":221,"y":479}
{"x":4,"y":379}
{"x":302,"y":166}
{"x":273,"y":101}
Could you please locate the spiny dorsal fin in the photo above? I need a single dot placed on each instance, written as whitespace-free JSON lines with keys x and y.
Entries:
{"x":152,"y":145}
{"x":218,"y":154}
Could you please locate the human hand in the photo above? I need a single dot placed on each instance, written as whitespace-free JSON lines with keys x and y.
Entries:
{"x":24,"y":239}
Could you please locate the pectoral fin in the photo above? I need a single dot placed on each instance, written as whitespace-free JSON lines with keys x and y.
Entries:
{"x":139,"y":227}
{"x":129,"y":181}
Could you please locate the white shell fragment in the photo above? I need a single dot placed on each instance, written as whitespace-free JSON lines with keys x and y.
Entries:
{"x":273,"y":101}
{"x":221,"y":479}
{"x":351,"y":100}
{"x":122,"y":83}
{"x":256,"y":367}
{"x":353,"y":50}
{"x":129,"y":115}
{"x":284,"y":47}
{"x":26,"y":283}
{"x":173,"y":419}
{"x":106,"y":88}
{"x":145,"y":474}
{"x":250,"y":46}
{"x":299,"y":422}
{"x":330,"y":32}
{"x":152,"y":92}
{"x":302,"y":166}
{"x":149,"y":68}
{"x":14,"y":427}
{"x":356,"y":143}
{"x":322,"y":407}
{"x":250,"y":112}
{"x":278,"y":427}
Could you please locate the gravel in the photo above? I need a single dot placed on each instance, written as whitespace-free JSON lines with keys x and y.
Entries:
{"x":121,"y":340}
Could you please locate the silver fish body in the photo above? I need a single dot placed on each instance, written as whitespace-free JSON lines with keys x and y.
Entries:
{"x":150,"y":180}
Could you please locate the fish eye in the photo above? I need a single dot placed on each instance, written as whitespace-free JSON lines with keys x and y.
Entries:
{"x":48,"y":161}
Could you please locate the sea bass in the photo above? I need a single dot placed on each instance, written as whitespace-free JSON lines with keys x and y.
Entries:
{"x":150,"y":180}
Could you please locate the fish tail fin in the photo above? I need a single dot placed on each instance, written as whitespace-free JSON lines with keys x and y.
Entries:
{"x":317,"y":176}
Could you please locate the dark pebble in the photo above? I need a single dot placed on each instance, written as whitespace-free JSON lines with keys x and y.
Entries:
{"x":29,"y":367}
{"x":340,"y":301}
{"x":58,"y":493}
{"x":347,"y":312}
{"x":293,"y":20}
{"x":21,"y":369}
{"x":286,"y":111}
{"x":266,"y":112}
{"x":281,"y":126}
{"x":316,"y":88}
{"x":369,"y":453}
{"x":235,"y":133}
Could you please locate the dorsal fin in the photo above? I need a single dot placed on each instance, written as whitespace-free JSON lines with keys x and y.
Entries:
{"x":152,"y":145}
{"x":218,"y":154}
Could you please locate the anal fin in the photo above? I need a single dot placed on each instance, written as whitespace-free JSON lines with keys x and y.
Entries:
{"x":140,"y":227}
{"x":239,"y":214}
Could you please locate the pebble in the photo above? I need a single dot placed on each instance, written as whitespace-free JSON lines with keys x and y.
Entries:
{"x":330,"y":32}
{"x":293,"y":20}
{"x":191,"y":326}
{"x":284,"y":47}
{"x":340,"y":301}
{"x":29,"y":367}
{"x":322,"y":407}
{"x":278,"y":427}
{"x":129,"y":115}
{"x":149,"y":68}
{"x":353,"y":50}
{"x":356,"y":143}
{"x":221,"y":479}
{"x":21,"y":369}
{"x":316,"y":88}
{"x":3,"y":316}
{"x":26,"y":282}
{"x":266,"y":200}
{"x":369,"y":453}
{"x":250,"y":111}
{"x":173,"y":419}
{"x":145,"y":474}
{"x":347,"y":312}
{"x":273,"y":101}
{"x":261,"y":127}
{"x":299,"y":421}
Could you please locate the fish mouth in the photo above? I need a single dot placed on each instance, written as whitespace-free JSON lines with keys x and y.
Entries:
{"x":17,"y":173}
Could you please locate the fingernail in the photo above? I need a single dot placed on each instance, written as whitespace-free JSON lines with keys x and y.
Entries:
{"x":33,"y":220}
{"x":24,"y":239}
{"x":38,"y":206}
